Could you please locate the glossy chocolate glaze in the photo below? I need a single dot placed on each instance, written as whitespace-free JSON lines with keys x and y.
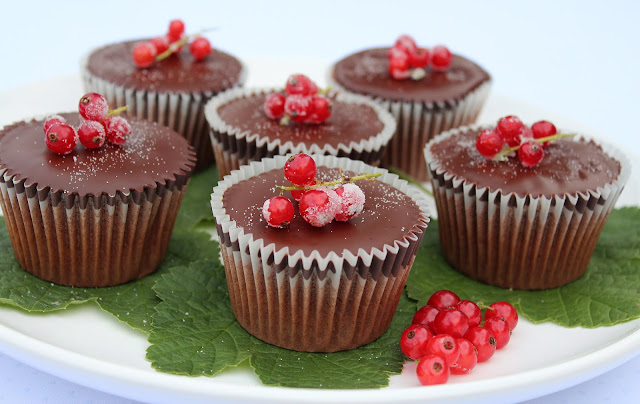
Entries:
{"x":152,"y":155}
{"x":388,"y":215}
{"x":366,"y":72}
{"x":177,"y":73}
{"x":569,"y":166}
{"x":348,"y":122}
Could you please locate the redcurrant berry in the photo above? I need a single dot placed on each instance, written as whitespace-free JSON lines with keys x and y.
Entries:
{"x":440,"y":58}
{"x":318,"y":206}
{"x":468,"y":357}
{"x":161,"y":43}
{"x":510,"y":128}
{"x":505,"y":311}
{"x":419,"y":58}
{"x":93,"y":107}
{"x":61,"y":138}
{"x":451,"y":321}
{"x":413,"y":341}
{"x":443,"y":299}
{"x":483,"y":340}
{"x":320,"y":109}
{"x":432,"y":369}
{"x":425,"y":315}
{"x":91,"y":134}
{"x":144,"y":54}
{"x":406,"y":43}
{"x":489,"y":143}
{"x":117,"y":129}
{"x":530,"y":154}
{"x":542,"y":129}
{"x":300,"y":169}
{"x":53,"y":120}
{"x":301,"y":85}
{"x":298,"y":107}
{"x":445,"y":346}
{"x":399,"y":67}
{"x":200,"y":48}
{"x":500,"y":330}
{"x":472,"y":311}
{"x":274,"y":105}
{"x":396,"y":53}
{"x":278,"y":211}
{"x":176,"y":29}
{"x":351,"y":201}
{"x":297,"y":194}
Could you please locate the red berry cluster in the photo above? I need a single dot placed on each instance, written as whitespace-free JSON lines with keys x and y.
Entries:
{"x":146,"y":53}
{"x":511,"y":135}
{"x":319,"y":204}
{"x":407,"y":60}
{"x":99,"y":125}
{"x":301,"y":102}
{"x":446,"y":335}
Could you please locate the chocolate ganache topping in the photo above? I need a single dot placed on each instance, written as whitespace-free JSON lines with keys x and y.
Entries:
{"x":366,"y":72}
{"x":348,"y":122}
{"x":152,"y":154}
{"x":569,"y":166}
{"x":178,"y":73}
{"x":388,"y":215}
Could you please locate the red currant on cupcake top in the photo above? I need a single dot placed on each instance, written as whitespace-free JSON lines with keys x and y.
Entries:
{"x":301,"y":102}
{"x":511,"y":137}
{"x":407,"y":60}
{"x":145,"y":54}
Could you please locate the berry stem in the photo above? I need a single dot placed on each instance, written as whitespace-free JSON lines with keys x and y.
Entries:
{"x":342,"y":180}
{"x":508,"y":150}
{"x":173,"y":48}
{"x":117,"y":111}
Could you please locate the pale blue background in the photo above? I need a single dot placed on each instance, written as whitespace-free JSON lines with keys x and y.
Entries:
{"x":577,"y":58}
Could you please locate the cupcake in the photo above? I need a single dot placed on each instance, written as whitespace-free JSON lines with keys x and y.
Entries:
{"x":317,"y":289}
{"x":436,"y":95}
{"x":172,"y":91}
{"x":529,"y":221}
{"x":92,"y":217}
{"x":241,"y":130}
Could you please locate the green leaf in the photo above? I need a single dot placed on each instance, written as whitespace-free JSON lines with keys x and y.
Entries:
{"x":195,"y":333}
{"x":607,"y":294}
{"x":196,"y":204}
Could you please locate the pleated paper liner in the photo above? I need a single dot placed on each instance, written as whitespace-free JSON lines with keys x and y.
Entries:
{"x":233,"y":147}
{"x":314,"y":303}
{"x":520,"y":242}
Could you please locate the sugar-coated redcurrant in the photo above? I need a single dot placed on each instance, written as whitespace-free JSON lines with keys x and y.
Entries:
{"x":530,"y":154}
{"x":300,"y":169}
{"x":483,"y":340}
{"x":445,"y":346}
{"x":425,"y":315}
{"x":274,"y":105}
{"x":500,"y":330}
{"x":93,"y":107}
{"x":176,"y":29}
{"x":161,"y":43}
{"x":53,"y":120}
{"x":91,"y":134}
{"x":200,"y":48}
{"x":432,"y":369}
{"x":443,"y":299}
{"x":505,"y":311}
{"x":413,"y":341}
{"x":351,"y":201}
{"x":489,"y":143}
{"x":61,"y":138}
{"x":440,"y":58}
{"x":467,"y":360}
{"x":451,"y":321}
{"x":406,"y":43}
{"x":300,"y":84}
{"x":419,"y":58}
{"x":542,"y":129}
{"x":320,"y":109}
{"x":399,"y":67}
{"x":510,"y":128}
{"x":298,"y":107}
{"x":318,"y":206}
{"x":472,"y":311}
{"x":117,"y":129}
{"x":278,"y":211}
{"x":144,"y":54}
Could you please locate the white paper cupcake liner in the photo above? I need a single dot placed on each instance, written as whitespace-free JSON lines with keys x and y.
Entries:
{"x":180,"y":111}
{"x":234,"y":147}
{"x":311,"y":302}
{"x":520,"y":242}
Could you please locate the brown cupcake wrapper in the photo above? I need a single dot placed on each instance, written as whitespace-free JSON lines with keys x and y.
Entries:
{"x":180,"y":111}
{"x":89,"y":241}
{"x":234,"y":147}
{"x":310,"y":302}
{"x":520,"y":242}
{"x":418,"y":122}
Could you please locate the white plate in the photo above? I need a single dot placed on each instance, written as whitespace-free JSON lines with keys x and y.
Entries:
{"x":89,"y":347}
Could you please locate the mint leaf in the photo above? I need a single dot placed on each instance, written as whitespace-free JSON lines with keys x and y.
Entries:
{"x":607,"y":294}
{"x":196,"y":204}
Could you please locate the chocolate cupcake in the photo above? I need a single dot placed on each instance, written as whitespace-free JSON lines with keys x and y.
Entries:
{"x":172,"y":92}
{"x":241,"y":132}
{"x":317,"y":289}
{"x":523,"y":227}
{"x":94,"y":217}
{"x":439,"y":101}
